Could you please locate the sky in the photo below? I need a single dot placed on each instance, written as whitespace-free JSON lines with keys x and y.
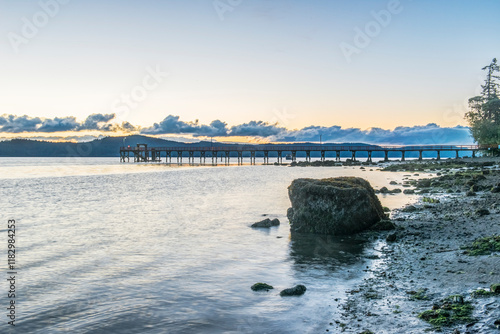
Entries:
{"x":241,"y":70}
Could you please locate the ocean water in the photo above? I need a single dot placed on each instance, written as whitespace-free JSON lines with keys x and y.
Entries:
{"x":104,"y":247}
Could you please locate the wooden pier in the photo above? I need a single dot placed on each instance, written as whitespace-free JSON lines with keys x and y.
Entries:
{"x":143,"y":153}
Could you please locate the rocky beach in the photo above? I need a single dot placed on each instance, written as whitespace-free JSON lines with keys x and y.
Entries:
{"x":438,"y":270}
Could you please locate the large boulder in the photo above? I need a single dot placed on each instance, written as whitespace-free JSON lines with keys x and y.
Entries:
{"x":338,"y":206}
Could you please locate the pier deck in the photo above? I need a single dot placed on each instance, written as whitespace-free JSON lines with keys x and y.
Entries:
{"x":143,"y":153}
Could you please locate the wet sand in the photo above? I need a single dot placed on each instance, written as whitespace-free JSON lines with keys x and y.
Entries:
{"x":427,"y":262}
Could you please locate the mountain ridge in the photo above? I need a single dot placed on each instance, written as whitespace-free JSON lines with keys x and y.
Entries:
{"x":102,"y":147}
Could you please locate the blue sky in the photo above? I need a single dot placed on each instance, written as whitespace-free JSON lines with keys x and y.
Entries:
{"x":260,"y":60}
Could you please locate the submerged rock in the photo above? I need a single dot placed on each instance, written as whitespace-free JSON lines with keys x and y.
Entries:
{"x":295,"y":291}
{"x":267,"y":223}
{"x":408,"y":191}
{"x":261,"y":286}
{"x":384,"y":190}
{"x":338,"y":206}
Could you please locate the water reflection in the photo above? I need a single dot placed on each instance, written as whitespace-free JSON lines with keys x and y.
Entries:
{"x":325,"y":250}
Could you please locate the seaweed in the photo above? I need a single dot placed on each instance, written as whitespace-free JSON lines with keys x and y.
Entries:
{"x":420,"y":294}
{"x":481,"y":293}
{"x":484,"y":246}
{"x":430,"y":200}
{"x":453,"y":311}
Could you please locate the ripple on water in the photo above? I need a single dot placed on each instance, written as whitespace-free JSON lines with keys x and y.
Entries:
{"x":110,"y":249}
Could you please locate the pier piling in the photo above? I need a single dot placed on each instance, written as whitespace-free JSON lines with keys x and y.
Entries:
{"x":143,"y":153}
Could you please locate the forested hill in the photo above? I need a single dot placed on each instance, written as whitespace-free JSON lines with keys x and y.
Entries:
{"x":106,"y":147}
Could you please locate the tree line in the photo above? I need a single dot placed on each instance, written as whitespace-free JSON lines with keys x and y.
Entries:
{"x":484,"y":110}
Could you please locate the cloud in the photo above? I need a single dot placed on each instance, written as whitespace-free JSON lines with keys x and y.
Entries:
{"x":58,"y":124}
{"x":128,"y":127}
{"x":15,"y":124}
{"x":23,"y":124}
{"x":256,"y":129}
{"x":172,"y":125}
{"x":98,"y":122}
{"x":429,"y":134}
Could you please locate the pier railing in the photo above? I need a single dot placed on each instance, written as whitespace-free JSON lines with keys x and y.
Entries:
{"x":316,"y":148}
{"x":143,"y":153}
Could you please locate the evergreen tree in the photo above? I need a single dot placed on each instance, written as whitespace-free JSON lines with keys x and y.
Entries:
{"x":484,"y":109}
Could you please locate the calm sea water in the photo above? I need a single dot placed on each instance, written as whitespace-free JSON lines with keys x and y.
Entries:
{"x":105,"y":247}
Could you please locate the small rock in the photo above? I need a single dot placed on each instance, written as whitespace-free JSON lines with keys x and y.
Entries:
{"x":295,"y":291}
{"x":482,"y":212}
{"x":261,"y":286}
{"x":384,"y":190}
{"x":470,"y":183}
{"x":495,"y":288}
{"x":393,"y":182}
{"x":395,"y":191}
{"x":495,"y":189}
{"x":267,"y":223}
{"x":409,"y":208}
{"x":424,"y":183}
{"x":383,"y":225}
{"x":479,"y":177}
{"x":391,"y":237}
{"x":458,"y":299}
{"x":470,"y":193}
{"x":408,"y":191}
